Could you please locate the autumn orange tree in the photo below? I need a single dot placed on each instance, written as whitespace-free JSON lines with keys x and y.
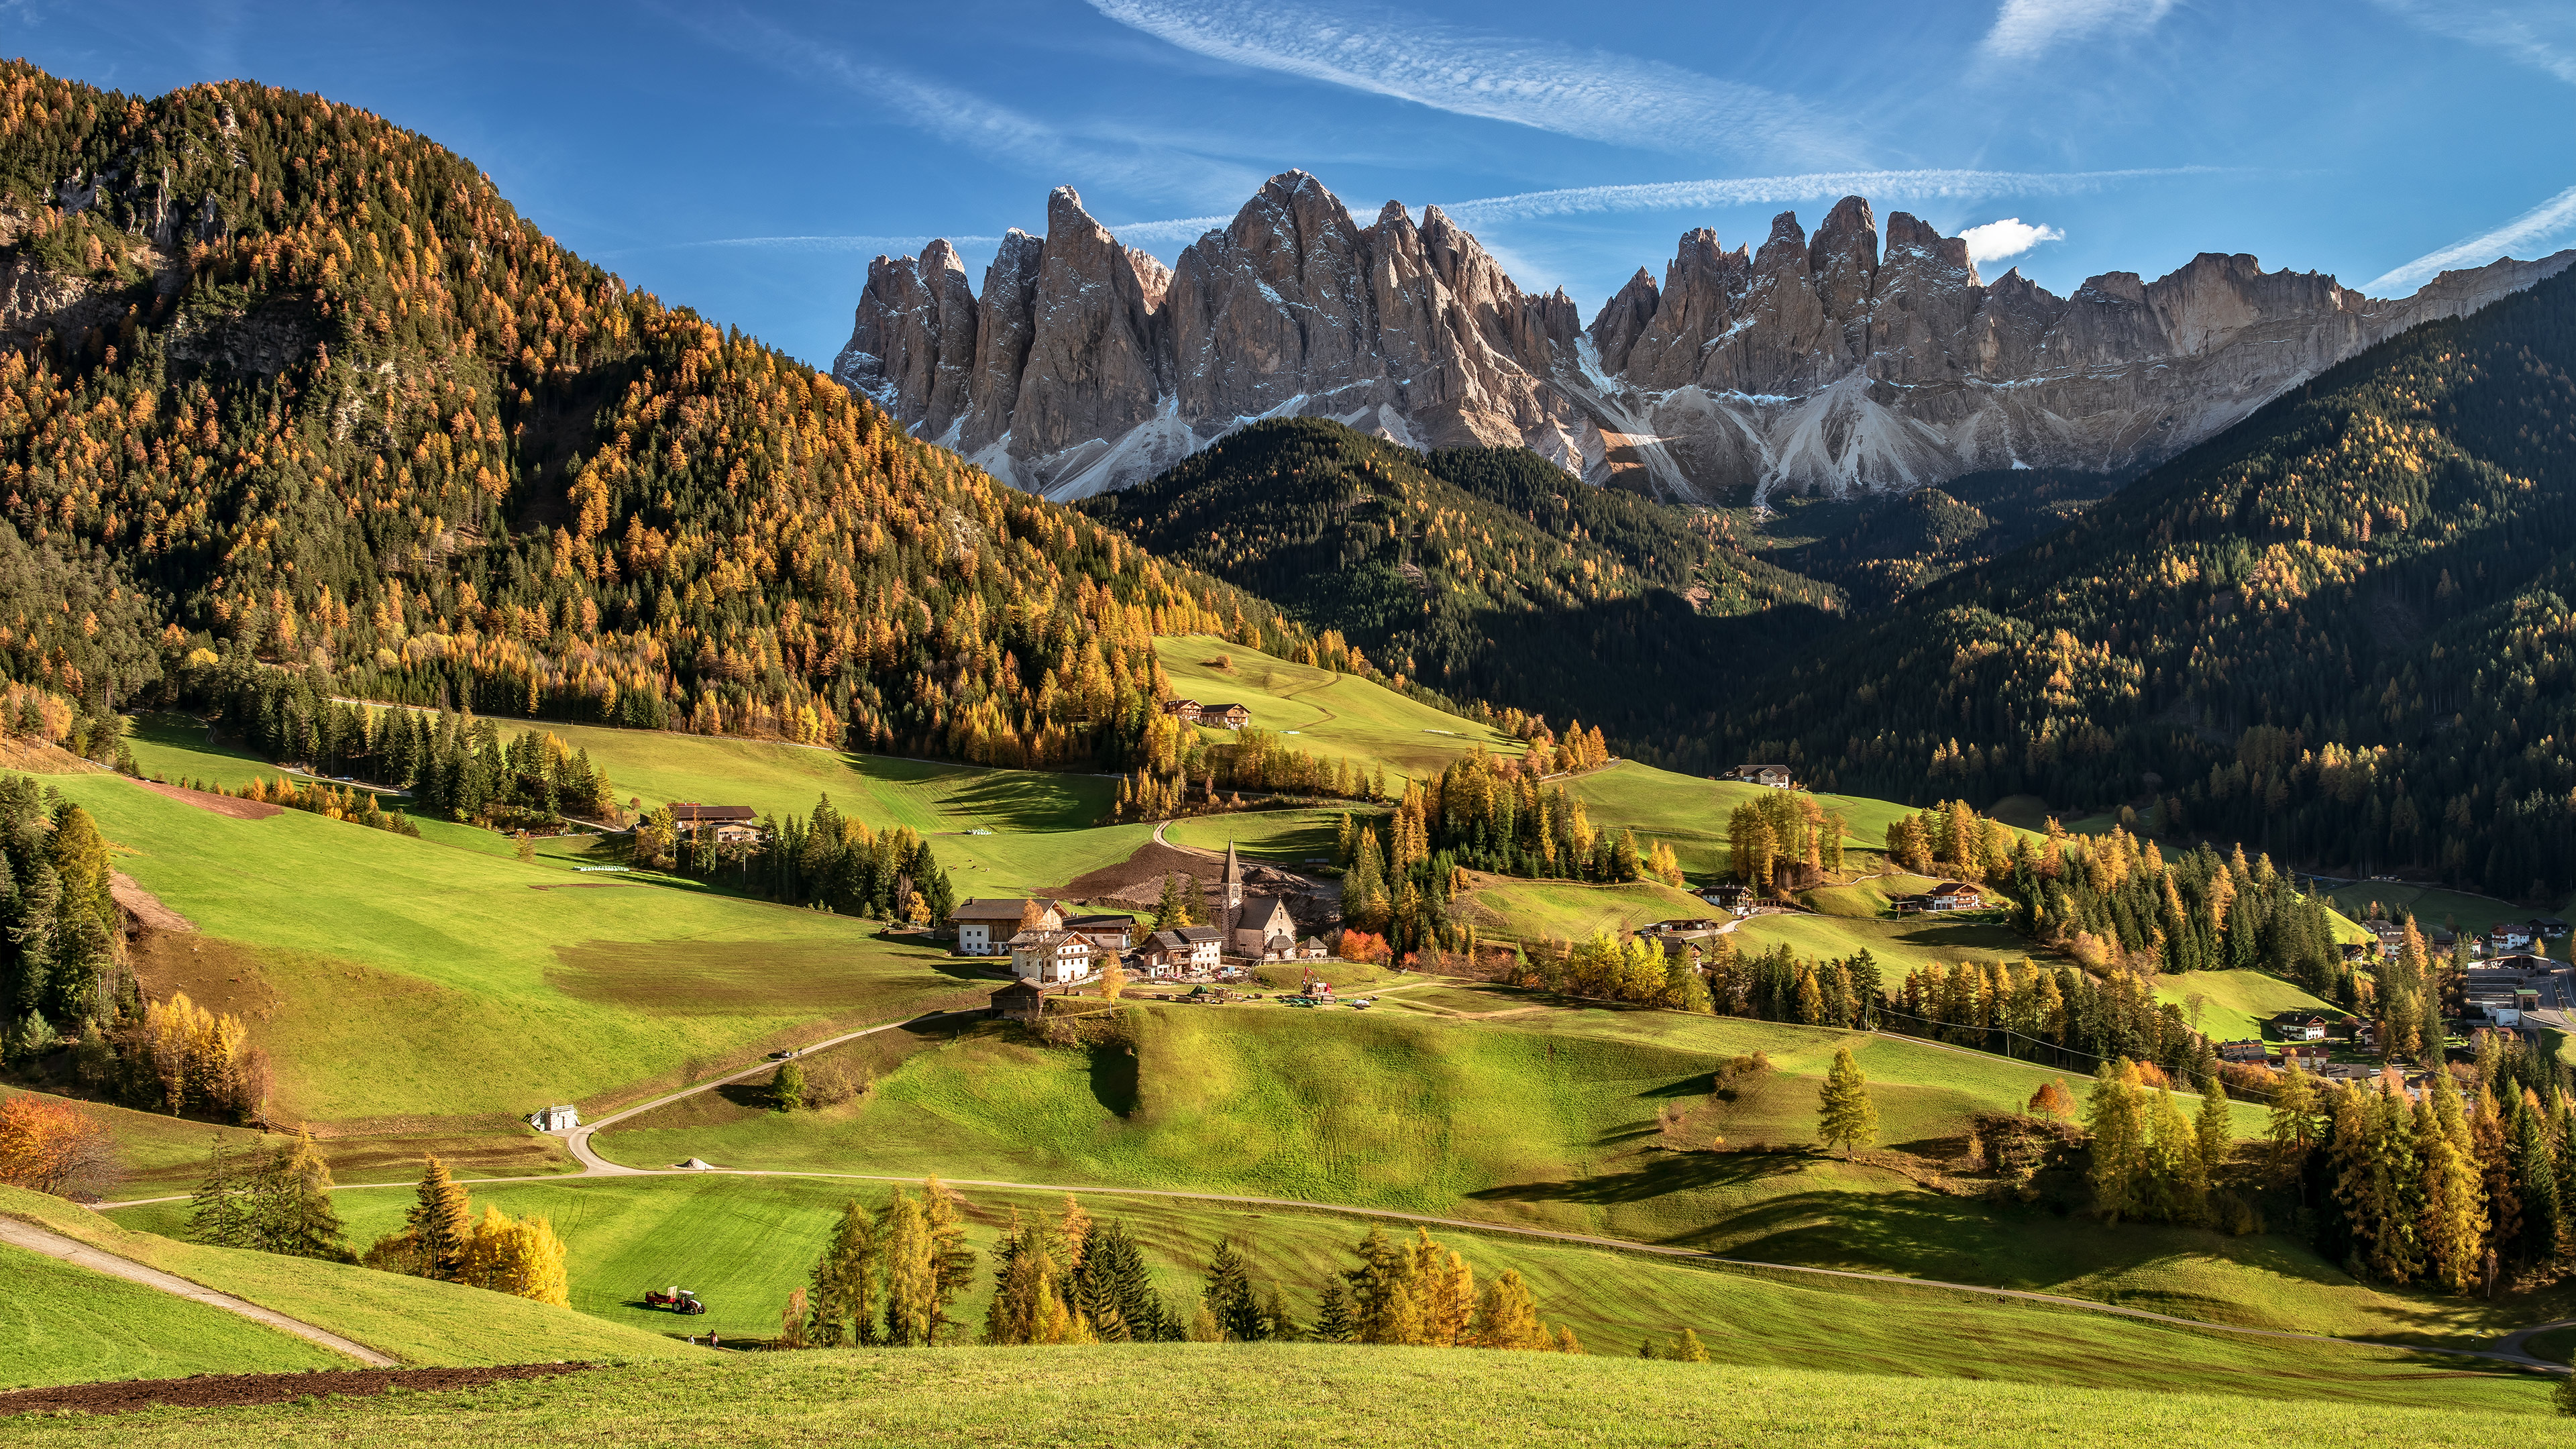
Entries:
{"x":51,"y":1146}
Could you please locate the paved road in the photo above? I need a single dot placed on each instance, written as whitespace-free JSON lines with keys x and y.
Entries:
{"x":98,"y":1260}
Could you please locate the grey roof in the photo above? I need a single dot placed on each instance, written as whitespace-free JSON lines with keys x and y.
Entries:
{"x":691,"y":810}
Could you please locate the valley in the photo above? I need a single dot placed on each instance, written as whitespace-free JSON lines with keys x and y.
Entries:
{"x":1842,"y":852}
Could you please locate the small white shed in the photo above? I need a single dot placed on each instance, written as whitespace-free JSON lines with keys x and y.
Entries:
{"x":556,"y":1119}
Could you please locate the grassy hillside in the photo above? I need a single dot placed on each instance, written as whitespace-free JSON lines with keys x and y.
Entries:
{"x":1329,"y":715}
{"x":1899,"y":942}
{"x":394,"y":978}
{"x":744,"y":1243}
{"x":1508,"y":908}
{"x":65,"y":1325}
{"x":1690,"y":811}
{"x":412,"y":1319}
{"x":2235,"y":1004}
{"x":1289,"y":837}
{"x":1355,"y":1397}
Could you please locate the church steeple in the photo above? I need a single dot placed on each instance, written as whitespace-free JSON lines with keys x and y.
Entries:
{"x":1233,"y":876}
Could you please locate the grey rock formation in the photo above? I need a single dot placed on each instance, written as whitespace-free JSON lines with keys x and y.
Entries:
{"x":1854,"y":358}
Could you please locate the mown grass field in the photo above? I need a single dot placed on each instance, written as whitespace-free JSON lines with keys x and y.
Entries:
{"x":413,"y":1319}
{"x":2235,"y":1004}
{"x":1543,"y":1116}
{"x":1899,"y":943}
{"x":393,"y":978}
{"x":2433,"y":906}
{"x":744,"y":1243}
{"x":1512,"y":909}
{"x":1365,"y":1398}
{"x":65,"y":1325}
{"x":1038,"y":824}
{"x":1299,"y":839}
{"x":1331,"y":716}
{"x":1690,"y":812}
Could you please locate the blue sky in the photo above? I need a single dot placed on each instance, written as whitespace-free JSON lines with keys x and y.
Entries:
{"x":748,"y":159}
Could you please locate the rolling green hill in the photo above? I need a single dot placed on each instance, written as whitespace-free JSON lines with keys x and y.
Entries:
{"x":742,"y":1244}
{"x":1342,"y":1398}
{"x":65,"y":1325}
{"x":401,"y":979}
{"x":412,"y":1319}
{"x":1333,"y":716}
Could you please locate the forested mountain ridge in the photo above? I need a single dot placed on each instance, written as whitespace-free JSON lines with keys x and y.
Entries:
{"x":1486,"y":572}
{"x":2342,"y":629}
{"x":295,"y":388}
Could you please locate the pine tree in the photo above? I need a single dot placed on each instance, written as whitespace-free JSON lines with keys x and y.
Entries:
{"x":2537,"y":1180}
{"x":911,"y":1272}
{"x":952,"y":1263}
{"x":2454,"y":1209}
{"x":1231,"y":1298}
{"x":297,"y":1193}
{"x":1684,"y":1347}
{"x":438,"y":1221}
{"x":1333,"y":1313}
{"x":1844,"y":1112}
{"x":2293,"y":1122}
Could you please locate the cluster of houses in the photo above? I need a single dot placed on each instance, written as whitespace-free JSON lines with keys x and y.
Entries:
{"x":1048,"y":946}
{"x":1223,"y":716}
{"x":2505,"y":938}
{"x":1776,"y":777}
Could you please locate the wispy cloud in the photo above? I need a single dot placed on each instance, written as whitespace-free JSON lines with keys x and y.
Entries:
{"x":1592,"y":94}
{"x":2542,"y":35}
{"x":2009,"y":237}
{"x":897,"y":245}
{"x":2027,"y":29}
{"x":1925,"y":185}
{"x":2534,"y":229}
{"x":1124,"y":159}
{"x":1158,"y":233}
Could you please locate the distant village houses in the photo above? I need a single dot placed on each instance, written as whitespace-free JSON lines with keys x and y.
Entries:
{"x":1231,"y":716}
{"x":986,"y":925}
{"x":1776,"y":777}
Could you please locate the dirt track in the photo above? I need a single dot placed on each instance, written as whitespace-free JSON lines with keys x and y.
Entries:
{"x":216,"y":1391}
{"x":220,"y":804}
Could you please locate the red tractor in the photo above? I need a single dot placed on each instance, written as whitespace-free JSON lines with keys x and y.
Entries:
{"x":678,"y":1300}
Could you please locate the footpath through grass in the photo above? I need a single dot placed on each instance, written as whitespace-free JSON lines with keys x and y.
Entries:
{"x":65,"y":1325}
{"x":1365,"y":1398}
{"x":413,"y":1319}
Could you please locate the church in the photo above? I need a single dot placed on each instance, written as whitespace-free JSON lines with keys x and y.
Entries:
{"x":1257,"y":928}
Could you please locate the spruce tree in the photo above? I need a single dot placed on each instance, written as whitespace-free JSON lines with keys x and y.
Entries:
{"x":2216,"y":1131}
{"x":296,"y":1189}
{"x":1844,"y":1112}
{"x":2538,"y":1181}
{"x":438,"y":1221}
{"x":1231,"y":1298}
{"x":1333,"y":1313}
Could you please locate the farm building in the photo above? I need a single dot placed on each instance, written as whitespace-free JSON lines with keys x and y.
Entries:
{"x":724,"y":824}
{"x":1184,"y":710}
{"x":2252,"y":1053}
{"x":1181,"y":948}
{"x":2307,"y":1055}
{"x":983,"y":924}
{"x":1020,"y":1001}
{"x":1230,"y":716}
{"x":561,"y":1118}
{"x":1951,"y":895}
{"x":1776,"y":777}
{"x":2300,"y":1026}
{"x":1111,"y":933}
{"x":1735,"y":900}
{"x":1051,"y":955}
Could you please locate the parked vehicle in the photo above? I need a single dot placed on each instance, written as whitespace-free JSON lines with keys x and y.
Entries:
{"x":677,"y":1300}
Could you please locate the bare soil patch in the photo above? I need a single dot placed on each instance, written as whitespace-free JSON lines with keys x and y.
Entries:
{"x":220,"y":804}
{"x":1138,"y":881}
{"x":217,"y":1391}
{"x":145,"y":907}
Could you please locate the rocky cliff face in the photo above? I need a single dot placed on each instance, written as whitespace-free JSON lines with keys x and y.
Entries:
{"x":1849,"y":359}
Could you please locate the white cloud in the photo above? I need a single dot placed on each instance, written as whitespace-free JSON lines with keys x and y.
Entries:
{"x":2551,"y":220}
{"x":1158,"y":233}
{"x":2541,"y":35}
{"x":1926,"y":185}
{"x":1592,"y":94}
{"x":2009,"y":237}
{"x":2027,"y":29}
{"x":883,"y":245}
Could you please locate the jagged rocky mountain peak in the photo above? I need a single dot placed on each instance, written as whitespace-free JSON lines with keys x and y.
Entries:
{"x":1858,"y":357}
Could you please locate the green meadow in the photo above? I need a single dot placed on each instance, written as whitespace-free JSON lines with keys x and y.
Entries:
{"x":1332,"y":716}
{"x":65,"y":1325}
{"x":399,"y":979}
{"x":743,"y":1244}
{"x":413,"y":1319}
{"x":1509,"y":908}
{"x":1343,"y":1398}
{"x":2233,"y":1005}
{"x":1899,"y":943}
